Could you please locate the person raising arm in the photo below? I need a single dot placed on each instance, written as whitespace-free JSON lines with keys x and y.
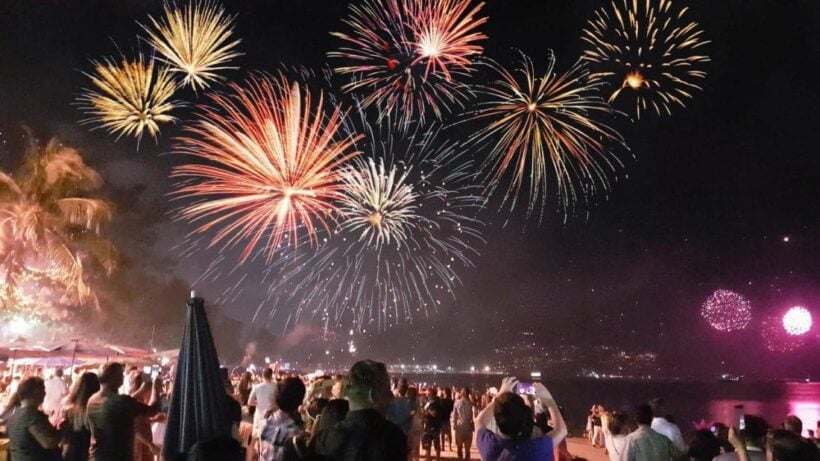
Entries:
{"x":505,"y":426}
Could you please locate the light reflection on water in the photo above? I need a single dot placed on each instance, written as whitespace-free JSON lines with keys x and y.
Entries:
{"x":799,"y":399}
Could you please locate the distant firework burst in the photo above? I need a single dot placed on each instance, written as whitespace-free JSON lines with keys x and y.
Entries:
{"x":378,"y":203}
{"x":776,"y":339}
{"x":537,"y":125}
{"x":407,"y":225}
{"x":410,"y":57}
{"x":194,"y":40}
{"x":648,"y":52}
{"x":797,"y":321}
{"x":727,"y":311}
{"x":130,"y":97}
{"x":271,"y":160}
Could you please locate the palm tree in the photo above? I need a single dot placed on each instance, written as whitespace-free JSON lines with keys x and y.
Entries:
{"x":50,"y":228}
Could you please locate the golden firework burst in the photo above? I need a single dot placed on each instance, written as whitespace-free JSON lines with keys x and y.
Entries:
{"x":194,"y":40}
{"x":129,"y":97}
{"x":648,"y":54}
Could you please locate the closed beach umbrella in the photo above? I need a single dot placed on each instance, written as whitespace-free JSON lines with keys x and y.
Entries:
{"x":199,"y":409}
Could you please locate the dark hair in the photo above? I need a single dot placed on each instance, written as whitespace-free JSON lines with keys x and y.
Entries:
{"x":226,"y":449}
{"x":465,"y":391}
{"x":794,"y":424}
{"x":756,"y":429}
{"x":290,"y":395}
{"x":365,"y":377}
{"x":111,"y":371}
{"x":88,"y":384}
{"x":402,"y":387}
{"x":785,"y":445}
{"x":334,"y":412}
{"x":617,"y":422}
{"x":643,"y":414}
{"x":513,"y":417}
{"x":29,"y":387}
{"x":448,"y":393}
{"x":656,"y":405}
{"x":58,"y":372}
{"x":268,"y":373}
{"x":705,"y":446}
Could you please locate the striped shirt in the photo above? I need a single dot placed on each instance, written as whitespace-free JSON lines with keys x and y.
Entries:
{"x":24,"y":447}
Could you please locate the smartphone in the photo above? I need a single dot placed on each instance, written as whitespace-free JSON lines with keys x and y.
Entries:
{"x":525,"y":388}
{"x":740,"y":417}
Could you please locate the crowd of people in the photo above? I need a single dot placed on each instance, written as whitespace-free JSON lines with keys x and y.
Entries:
{"x":651,"y":434}
{"x":119,"y":414}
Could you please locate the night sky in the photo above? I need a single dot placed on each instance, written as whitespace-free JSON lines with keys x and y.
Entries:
{"x":705,"y":201}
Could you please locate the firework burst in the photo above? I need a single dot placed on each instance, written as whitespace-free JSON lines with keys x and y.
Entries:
{"x":727,"y":311}
{"x":194,"y":40}
{"x":378,"y":203}
{"x":271,"y":164}
{"x":407,"y":225}
{"x":408,"y":57}
{"x":776,"y":339}
{"x":797,"y":321}
{"x":648,"y":53}
{"x":537,"y":124}
{"x":129,"y":98}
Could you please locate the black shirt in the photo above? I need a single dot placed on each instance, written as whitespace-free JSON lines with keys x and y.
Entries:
{"x":364,"y":435}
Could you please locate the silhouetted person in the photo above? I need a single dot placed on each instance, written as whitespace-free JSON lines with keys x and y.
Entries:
{"x":111,"y":416}
{"x":365,"y":434}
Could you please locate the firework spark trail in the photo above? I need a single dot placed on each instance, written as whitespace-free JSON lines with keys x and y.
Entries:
{"x":271,"y":165}
{"x":727,"y":311}
{"x":129,"y":98}
{"x":534,"y":124}
{"x":194,"y":40}
{"x":355,"y":277}
{"x":646,"y":51}
{"x":409,"y":57}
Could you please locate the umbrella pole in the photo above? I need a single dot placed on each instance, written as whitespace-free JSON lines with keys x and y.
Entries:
{"x":13,"y":362}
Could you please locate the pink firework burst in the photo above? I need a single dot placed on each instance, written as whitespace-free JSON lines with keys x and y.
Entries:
{"x":797,"y":321}
{"x":776,"y":339}
{"x":727,"y":311}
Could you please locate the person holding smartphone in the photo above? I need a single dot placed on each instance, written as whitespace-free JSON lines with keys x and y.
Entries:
{"x":505,"y":426}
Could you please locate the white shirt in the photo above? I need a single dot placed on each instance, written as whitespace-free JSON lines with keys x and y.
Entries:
{"x":755,"y":454}
{"x":55,"y":391}
{"x":670,"y":431}
{"x":263,"y":396}
{"x":615,"y":445}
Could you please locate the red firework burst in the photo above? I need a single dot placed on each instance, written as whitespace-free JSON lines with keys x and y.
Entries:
{"x":271,"y":159}
{"x":407,"y":56}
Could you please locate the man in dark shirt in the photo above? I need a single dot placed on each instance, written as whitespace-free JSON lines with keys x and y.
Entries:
{"x":364,"y":434}
{"x":447,"y":404}
{"x":434,"y":413}
{"x":111,"y":417}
